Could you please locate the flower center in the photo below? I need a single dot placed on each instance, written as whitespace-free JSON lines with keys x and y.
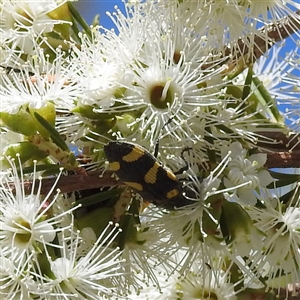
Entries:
{"x":176,"y":57}
{"x":203,"y":294}
{"x":23,"y":236}
{"x":161,"y":96}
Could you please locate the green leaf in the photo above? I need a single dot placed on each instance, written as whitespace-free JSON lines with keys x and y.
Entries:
{"x":55,"y":136}
{"x":247,"y":85}
{"x":279,"y":175}
{"x":48,"y":113}
{"x":283,"y":179}
{"x":266,"y":101}
{"x":99,"y":197}
{"x":49,"y":168}
{"x":287,"y":197}
{"x":77,"y":17}
{"x":129,"y":230}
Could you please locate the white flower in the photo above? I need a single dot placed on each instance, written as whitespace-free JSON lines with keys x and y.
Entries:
{"x":158,"y":77}
{"x":16,"y":278}
{"x":199,"y":217}
{"x":98,"y":75}
{"x":201,"y":278}
{"x":23,"y":21}
{"x":221,"y":23}
{"x":21,"y":89}
{"x":146,"y":250}
{"x":280,"y":258}
{"x":24,"y":220}
{"x":90,"y":274}
{"x":262,"y":13}
{"x":165,"y":89}
{"x":100,"y":72}
{"x":224,"y":22}
{"x":205,"y":280}
{"x":245,"y":174}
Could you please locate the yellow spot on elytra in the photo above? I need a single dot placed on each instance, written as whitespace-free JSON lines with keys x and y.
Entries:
{"x":151,"y":175}
{"x":173,"y":193}
{"x":134,"y":185}
{"x":114,"y":166}
{"x":134,"y":155}
{"x":171,"y":175}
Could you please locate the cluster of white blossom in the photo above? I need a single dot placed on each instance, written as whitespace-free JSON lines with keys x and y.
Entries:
{"x":192,"y":79}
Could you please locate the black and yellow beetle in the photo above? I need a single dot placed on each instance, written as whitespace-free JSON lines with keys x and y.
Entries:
{"x":141,"y":171}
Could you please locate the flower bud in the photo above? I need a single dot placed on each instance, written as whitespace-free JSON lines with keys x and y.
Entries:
{"x":243,"y":235}
{"x":26,"y":150}
{"x":88,"y":112}
{"x":125,"y":124}
{"x":62,"y":13}
{"x":21,"y":122}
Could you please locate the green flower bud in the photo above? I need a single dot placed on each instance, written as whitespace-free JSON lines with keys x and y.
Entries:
{"x":26,"y":150}
{"x":243,"y":235}
{"x":21,"y":122}
{"x":123,"y":124}
{"x":87,"y":111}
{"x":62,"y":13}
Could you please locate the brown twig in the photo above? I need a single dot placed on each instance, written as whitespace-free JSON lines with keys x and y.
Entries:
{"x":283,"y":160}
{"x":77,"y":182}
{"x":283,"y":152}
{"x":276,"y":32}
